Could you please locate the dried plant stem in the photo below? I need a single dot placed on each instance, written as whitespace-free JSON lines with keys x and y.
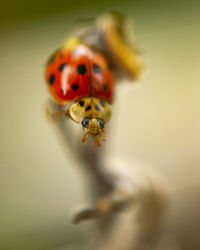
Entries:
{"x":113,"y":191}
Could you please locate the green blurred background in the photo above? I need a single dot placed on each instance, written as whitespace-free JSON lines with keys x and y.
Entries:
{"x":156,"y":121}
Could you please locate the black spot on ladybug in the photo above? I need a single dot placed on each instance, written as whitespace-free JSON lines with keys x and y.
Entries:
{"x":81,"y":69}
{"x":97,"y":108}
{"x":62,"y":66}
{"x":88,"y":108}
{"x":96,"y":68}
{"x":81,"y":103}
{"x":102,"y":103}
{"x":75,"y":86}
{"x":51,"y":79}
{"x":105,"y":86}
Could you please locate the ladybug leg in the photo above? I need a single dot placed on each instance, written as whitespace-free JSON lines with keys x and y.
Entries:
{"x":98,"y":140}
{"x":52,"y":117}
{"x":102,"y":134}
{"x":85,"y":137}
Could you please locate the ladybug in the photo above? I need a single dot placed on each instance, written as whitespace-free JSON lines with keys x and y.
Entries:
{"x":79,"y":74}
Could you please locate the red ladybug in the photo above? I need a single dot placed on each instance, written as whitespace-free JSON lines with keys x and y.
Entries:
{"x":80,"y":73}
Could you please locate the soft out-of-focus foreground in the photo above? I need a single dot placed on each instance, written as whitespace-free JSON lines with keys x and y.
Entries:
{"x":155,"y":121}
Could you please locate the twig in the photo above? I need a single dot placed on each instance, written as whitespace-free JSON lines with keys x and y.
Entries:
{"x":114,"y":190}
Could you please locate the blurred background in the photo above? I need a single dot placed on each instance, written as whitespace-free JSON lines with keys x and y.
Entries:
{"x":156,"y":120}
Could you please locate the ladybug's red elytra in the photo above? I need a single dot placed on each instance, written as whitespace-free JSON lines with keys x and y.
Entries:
{"x":80,"y":74}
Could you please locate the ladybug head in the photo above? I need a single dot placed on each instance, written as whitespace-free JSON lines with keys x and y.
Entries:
{"x":92,"y":113}
{"x":94,"y":127}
